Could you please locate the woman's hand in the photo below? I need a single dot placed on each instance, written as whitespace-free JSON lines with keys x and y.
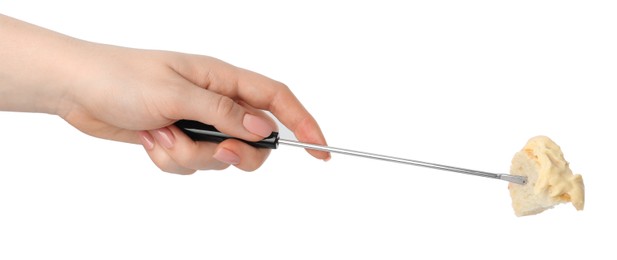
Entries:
{"x":135,"y":96}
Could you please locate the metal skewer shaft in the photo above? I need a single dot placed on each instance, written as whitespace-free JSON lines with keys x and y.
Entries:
{"x":202,"y":132}
{"x":505,"y":177}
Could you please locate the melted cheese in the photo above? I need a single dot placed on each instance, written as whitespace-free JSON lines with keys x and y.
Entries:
{"x":554,"y":174}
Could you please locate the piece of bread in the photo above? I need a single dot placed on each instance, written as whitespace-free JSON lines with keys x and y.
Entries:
{"x":549,"y":179}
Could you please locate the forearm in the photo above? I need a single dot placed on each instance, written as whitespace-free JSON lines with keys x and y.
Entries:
{"x":35,"y":67}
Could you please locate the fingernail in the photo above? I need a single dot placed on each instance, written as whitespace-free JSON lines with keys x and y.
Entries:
{"x":226,"y":156}
{"x":146,"y":140}
{"x":257,"y":125}
{"x":164,"y":137}
{"x":328,"y":158}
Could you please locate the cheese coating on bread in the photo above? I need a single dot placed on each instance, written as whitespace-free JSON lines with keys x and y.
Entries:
{"x":549,"y":178}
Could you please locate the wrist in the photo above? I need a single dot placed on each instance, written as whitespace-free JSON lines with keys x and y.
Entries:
{"x":35,"y":68}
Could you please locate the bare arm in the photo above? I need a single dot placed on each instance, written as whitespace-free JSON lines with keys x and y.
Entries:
{"x":134,"y":95}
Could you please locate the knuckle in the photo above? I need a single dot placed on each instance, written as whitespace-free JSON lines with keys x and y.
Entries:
{"x":165,"y":165}
{"x":186,"y":171}
{"x":217,"y":166}
{"x":251,"y":168}
{"x":187,"y":159}
{"x":193,"y":157}
{"x":251,"y":165}
{"x":225,"y":106}
{"x":280,"y":86}
{"x":168,"y":165}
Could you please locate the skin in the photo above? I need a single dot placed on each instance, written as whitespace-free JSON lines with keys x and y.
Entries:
{"x":134,"y":96}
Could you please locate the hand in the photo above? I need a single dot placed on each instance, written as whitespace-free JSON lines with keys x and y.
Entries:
{"x":124,"y":91}
{"x":135,"y":96}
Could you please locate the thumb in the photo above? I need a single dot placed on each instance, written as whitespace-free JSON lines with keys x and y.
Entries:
{"x":223,"y":113}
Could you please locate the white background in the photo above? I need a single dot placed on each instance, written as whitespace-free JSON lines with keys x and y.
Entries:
{"x":463,"y":83}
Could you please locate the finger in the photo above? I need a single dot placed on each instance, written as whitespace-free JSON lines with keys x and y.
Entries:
{"x":260,"y":113}
{"x":219,"y":110}
{"x":192,"y":154}
{"x":241,"y":155}
{"x":159,"y":156}
{"x":185,"y":152}
{"x":264,"y":93}
{"x":258,"y":91}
